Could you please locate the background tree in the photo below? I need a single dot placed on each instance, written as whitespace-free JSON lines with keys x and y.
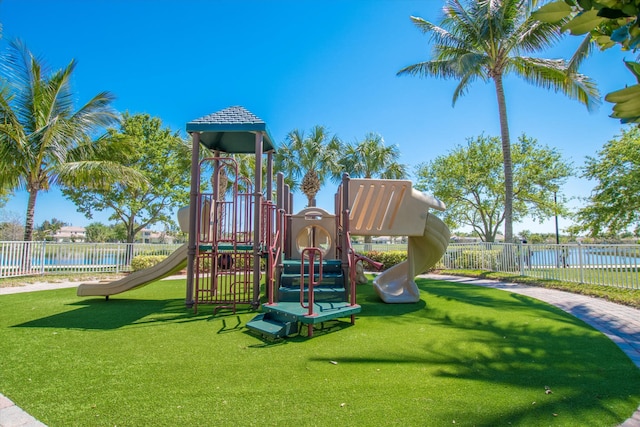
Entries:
{"x":4,"y":197}
{"x":371,"y":158}
{"x":486,"y":40}
{"x":11,"y":226}
{"x":614,"y":203}
{"x":312,"y":157}
{"x":607,"y":23}
{"x":470,"y":181}
{"x":158,"y":154}
{"x":97,"y":232}
{"x":43,"y":140}
{"x":48,"y":229}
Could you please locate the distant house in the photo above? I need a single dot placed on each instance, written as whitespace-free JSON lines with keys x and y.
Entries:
{"x":70,"y":233}
{"x":150,"y":236}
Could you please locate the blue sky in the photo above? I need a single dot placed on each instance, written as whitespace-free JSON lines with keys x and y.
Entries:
{"x":297,"y":64}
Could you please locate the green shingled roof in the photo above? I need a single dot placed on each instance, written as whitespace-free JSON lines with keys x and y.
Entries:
{"x":231,"y":130}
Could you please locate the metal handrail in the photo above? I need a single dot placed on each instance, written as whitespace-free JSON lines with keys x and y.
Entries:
{"x":312,"y":282}
{"x":274,"y":252}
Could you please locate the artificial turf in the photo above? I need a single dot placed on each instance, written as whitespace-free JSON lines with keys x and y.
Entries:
{"x":467,"y":355}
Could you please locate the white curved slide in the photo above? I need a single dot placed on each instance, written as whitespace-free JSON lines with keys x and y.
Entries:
{"x":397,"y":284}
{"x":171,"y":265}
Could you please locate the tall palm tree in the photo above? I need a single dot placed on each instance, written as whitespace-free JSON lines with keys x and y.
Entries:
{"x":43,"y":141}
{"x":371,"y":158}
{"x":312,"y":157}
{"x":486,"y":40}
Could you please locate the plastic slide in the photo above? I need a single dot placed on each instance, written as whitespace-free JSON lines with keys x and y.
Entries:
{"x":396,"y":284}
{"x":171,"y":265}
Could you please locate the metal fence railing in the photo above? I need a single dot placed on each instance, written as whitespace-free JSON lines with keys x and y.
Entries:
{"x":598,"y":264}
{"x":37,"y":258}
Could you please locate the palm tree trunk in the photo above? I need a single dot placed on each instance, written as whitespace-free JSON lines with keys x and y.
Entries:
{"x":506,"y":160}
{"x":31,"y":208}
{"x":28,"y":229}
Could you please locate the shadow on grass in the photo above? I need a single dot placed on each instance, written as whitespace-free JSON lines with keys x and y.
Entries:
{"x":99,"y":314}
{"x":512,"y":341}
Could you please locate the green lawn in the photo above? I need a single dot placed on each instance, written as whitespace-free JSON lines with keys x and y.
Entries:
{"x":470,"y":355}
{"x":624,"y":296}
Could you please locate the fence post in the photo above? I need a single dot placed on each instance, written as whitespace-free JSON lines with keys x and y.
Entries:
{"x":580,"y":264}
{"x":43,"y":255}
{"x":522,"y":255}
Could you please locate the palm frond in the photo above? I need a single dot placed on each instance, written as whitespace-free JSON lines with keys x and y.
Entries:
{"x":583,"y":51}
{"x":97,"y":175}
{"x":533,"y":36}
{"x":462,"y":87}
{"x":556,"y":75}
{"x":461,"y":22}
{"x":438,"y":35}
{"x":440,"y":69}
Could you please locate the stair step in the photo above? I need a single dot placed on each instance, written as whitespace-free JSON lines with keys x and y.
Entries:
{"x":293,"y":280}
{"x":293,"y":266}
{"x":321,"y":293}
{"x":323,"y":311}
{"x":269,"y":325}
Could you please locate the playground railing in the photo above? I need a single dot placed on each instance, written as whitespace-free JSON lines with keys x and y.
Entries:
{"x":39,"y":258}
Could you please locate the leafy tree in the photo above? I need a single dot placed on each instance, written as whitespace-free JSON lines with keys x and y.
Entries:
{"x":4,"y":197}
{"x":43,"y":140}
{"x":614,"y":203}
{"x":486,"y":40}
{"x":371,"y":158}
{"x":11,"y":228}
{"x":97,"y":232}
{"x":470,"y":181}
{"x":119,"y":231}
{"x":48,"y":229}
{"x":158,"y":154}
{"x":607,"y":23}
{"x":312,"y":157}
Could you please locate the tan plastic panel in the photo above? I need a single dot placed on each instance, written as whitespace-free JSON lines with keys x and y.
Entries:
{"x":388,"y":207}
{"x":313,"y":227}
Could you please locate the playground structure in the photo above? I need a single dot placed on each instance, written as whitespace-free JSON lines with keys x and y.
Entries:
{"x":238,"y":234}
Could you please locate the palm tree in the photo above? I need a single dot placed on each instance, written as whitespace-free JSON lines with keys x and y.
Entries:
{"x":313,"y":157}
{"x":43,"y":141}
{"x":485,"y":40}
{"x":371,"y":158}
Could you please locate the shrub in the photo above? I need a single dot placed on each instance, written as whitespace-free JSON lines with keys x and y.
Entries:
{"x":487,"y":259}
{"x":389,"y":259}
{"x":141,"y":262}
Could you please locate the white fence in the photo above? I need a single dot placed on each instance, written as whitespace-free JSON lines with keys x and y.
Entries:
{"x":612,"y":265}
{"x":37,"y":258}
{"x":597,"y":264}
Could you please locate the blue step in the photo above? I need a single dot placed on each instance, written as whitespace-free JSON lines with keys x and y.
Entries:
{"x":320,"y":293}
{"x":273,"y":325}
{"x":323,"y":311}
{"x":328,"y":266}
{"x":292,"y":280}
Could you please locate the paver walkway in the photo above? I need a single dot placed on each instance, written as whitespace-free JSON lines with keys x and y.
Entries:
{"x":620,"y":323}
